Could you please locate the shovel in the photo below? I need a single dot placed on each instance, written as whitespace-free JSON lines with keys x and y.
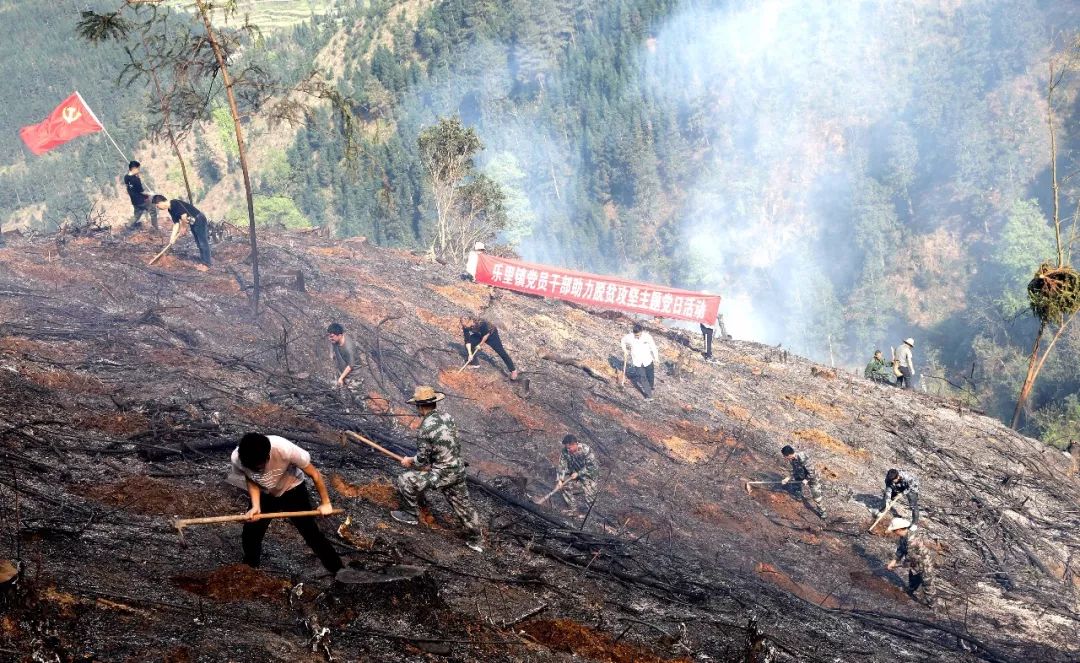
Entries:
{"x":888,"y":507}
{"x":472,"y":353}
{"x":215,"y":520}
{"x":559,"y":486}
{"x":158,"y":256}
{"x":761,"y":483}
{"x":373,"y":445}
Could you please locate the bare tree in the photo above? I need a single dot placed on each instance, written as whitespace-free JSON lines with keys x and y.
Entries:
{"x":1054,"y":292}
{"x":468,"y":205}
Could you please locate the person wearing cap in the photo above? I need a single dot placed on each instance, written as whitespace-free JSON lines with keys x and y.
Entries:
{"x":802,"y":471}
{"x":578,"y":470}
{"x":639,"y":359}
{"x":478,"y":331}
{"x":273,"y":470}
{"x":438,"y":465}
{"x":897,"y":483}
{"x":474,"y":258}
{"x":877,"y":370}
{"x":913,"y":549}
{"x":906,"y":364}
{"x":140,"y":199}
{"x":346,"y":358}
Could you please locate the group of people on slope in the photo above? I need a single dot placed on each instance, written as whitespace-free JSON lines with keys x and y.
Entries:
{"x":912,"y":548}
{"x":182,"y":213}
{"x":900,"y":371}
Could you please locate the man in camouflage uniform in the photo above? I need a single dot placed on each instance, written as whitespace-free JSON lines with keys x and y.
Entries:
{"x":920,"y":560}
{"x":877,"y":370}
{"x":579,"y":462}
{"x":897,"y":483}
{"x":803,"y":471}
{"x":439,"y":465}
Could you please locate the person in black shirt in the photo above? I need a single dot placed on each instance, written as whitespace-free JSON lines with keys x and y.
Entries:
{"x":184,"y":212}
{"x":477,"y":332}
{"x":140,"y":199}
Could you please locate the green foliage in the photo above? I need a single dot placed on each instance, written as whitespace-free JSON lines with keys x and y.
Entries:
{"x":1054,"y":293}
{"x":503,"y":169}
{"x":271,"y":212}
{"x":1025,"y":241}
{"x":1058,"y":424}
{"x":225,"y":131}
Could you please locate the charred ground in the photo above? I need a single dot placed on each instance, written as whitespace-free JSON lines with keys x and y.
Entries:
{"x":123,"y":388}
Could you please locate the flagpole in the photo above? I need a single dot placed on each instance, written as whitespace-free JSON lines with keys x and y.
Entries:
{"x":101,"y":124}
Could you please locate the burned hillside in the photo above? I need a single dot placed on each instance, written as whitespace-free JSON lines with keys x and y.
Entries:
{"x":124,"y":388}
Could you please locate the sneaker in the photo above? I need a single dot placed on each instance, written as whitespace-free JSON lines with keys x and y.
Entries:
{"x":405,"y":517}
{"x":475,"y":545}
{"x":648,"y":399}
{"x":513,"y":375}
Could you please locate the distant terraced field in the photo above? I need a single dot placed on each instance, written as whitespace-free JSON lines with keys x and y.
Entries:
{"x":270,"y":14}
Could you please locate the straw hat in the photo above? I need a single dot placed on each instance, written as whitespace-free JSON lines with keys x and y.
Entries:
{"x":424,"y":395}
{"x":479,"y":246}
{"x":910,"y":341}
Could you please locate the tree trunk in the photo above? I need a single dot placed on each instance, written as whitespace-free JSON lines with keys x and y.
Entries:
{"x":1029,"y":381}
{"x":168,"y":125}
{"x":228,"y":82}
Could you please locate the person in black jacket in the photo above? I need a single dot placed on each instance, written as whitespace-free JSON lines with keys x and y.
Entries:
{"x":140,"y":199}
{"x":478,"y":331}
{"x":183,"y":212}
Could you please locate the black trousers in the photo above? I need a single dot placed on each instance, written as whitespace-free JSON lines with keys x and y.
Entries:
{"x":707,"y":332}
{"x":200,"y":230}
{"x":644,"y":377}
{"x":144,"y":208}
{"x":495,"y":343}
{"x":296,"y":499}
{"x":906,"y":379}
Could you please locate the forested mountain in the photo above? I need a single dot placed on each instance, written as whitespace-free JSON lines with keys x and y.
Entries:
{"x":844,"y":174}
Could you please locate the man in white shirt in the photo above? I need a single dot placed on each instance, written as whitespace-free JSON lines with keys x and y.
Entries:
{"x":906,"y":378}
{"x":274,"y":470}
{"x":639,"y":359}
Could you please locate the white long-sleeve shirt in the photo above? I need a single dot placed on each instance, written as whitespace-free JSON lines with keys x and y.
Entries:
{"x":642,"y":350}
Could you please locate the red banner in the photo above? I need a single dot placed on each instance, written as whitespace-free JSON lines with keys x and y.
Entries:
{"x":71,"y":119}
{"x":599,"y":291}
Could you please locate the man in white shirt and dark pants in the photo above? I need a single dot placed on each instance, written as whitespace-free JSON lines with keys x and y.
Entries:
{"x":906,"y":362}
{"x":639,"y":360}
{"x":274,"y":469}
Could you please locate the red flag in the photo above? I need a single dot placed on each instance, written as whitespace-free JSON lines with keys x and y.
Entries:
{"x":70,"y":119}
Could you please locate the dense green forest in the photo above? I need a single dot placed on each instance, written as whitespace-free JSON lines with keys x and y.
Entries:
{"x":844,"y":174}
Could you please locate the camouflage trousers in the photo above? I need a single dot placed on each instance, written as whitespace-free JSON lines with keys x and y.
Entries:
{"x":921,"y":581}
{"x":582,"y":485}
{"x":412,"y":485}
{"x":814,"y":485}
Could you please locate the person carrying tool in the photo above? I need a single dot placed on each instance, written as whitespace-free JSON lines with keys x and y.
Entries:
{"x":920,"y":560}
{"x":184,"y":213}
{"x":273,"y":469}
{"x":478,"y":331}
{"x":897,"y":483}
{"x":140,"y":199}
{"x":438,"y":464}
{"x":639,"y":358}
{"x":803,"y":473}
{"x":877,"y":370}
{"x":578,"y":461}
{"x":346,"y":358}
{"x":906,"y":364}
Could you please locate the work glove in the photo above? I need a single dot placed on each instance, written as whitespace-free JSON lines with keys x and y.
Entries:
{"x":785,"y":481}
{"x":912,"y":528}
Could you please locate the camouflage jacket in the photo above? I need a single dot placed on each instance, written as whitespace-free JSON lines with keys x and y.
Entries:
{"x":801,"y":468}
{"x":583,"y":462}
{"x":908,"y":483}
{"x":916,"y":553}
{"x":439,"y":448}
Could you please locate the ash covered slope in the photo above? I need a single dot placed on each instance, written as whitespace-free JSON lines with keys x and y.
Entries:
{"x":124,"y":387}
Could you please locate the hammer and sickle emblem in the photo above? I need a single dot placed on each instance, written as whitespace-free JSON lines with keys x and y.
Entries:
{"x":70,"y":114}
